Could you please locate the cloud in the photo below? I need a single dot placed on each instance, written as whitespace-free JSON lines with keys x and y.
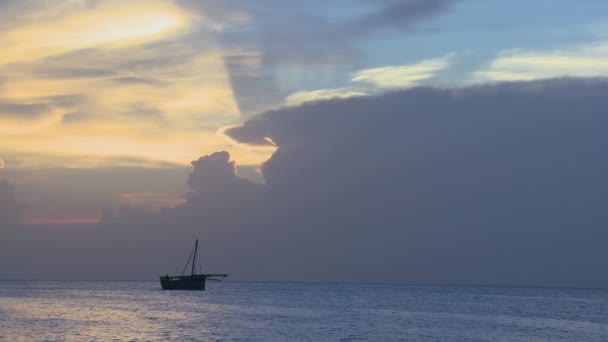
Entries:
{"x":74,"y":193}
{"x":2,"y":163}
{"x":301,"y":97}
{"x":22,"y":110}
{"x":213,"y":171}
{"x":585,"y":60}
{"x":19,"y":117}
{"x":253,"y":85}
{"x":10,"y":209}
{"x":376,"y":80}
{"x":499,"y":184}
{"x":214,"y":179}
{"x":109,"y":23}
{"x":150,"y":200}
{"x":311,"y":18}
{"x":450,"y":185}
{"x":401,"y":76}
{"x":295,"y":42}
{"x":35,"y":108}
{"x":399,"y":14}
{"x":157,"y":90}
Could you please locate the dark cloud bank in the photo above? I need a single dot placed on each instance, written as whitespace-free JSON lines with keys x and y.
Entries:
{"x":503,"y":184}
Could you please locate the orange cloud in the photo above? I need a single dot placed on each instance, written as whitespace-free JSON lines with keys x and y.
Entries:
{"x":110,"y":23}
{"x":134,"y":87}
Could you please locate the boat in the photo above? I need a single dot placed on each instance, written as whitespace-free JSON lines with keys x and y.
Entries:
{"x":189,"y":282}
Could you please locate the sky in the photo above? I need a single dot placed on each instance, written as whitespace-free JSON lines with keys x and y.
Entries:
{"x":424,"y":141}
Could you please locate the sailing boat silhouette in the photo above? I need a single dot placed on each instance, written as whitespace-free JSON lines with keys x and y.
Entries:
{"x":189,"y":282}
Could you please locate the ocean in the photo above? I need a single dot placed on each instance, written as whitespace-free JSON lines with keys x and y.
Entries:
{"x":235,"y":311}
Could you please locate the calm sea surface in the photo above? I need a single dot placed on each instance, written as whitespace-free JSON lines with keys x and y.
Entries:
{"x":86,"y":311}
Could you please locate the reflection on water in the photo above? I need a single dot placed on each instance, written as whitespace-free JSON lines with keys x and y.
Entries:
{"x":85,"y":311}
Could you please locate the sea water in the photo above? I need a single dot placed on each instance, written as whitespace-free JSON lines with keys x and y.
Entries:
{"x":234,"y":311}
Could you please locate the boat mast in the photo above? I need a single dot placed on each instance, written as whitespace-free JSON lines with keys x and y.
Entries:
{"x":194,"y":259}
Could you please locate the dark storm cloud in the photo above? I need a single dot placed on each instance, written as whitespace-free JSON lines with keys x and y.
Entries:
{"x":490,"y":184}
{"x":501,"y":184}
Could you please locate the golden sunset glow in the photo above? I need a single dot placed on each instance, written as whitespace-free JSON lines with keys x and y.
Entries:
{"x":112,"y":23}
{"x":106,"y":81}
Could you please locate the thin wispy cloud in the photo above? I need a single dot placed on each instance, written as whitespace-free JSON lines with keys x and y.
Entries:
{"x":301,"y":97}
{"x":401,"y":76}
{"x":586,"y":60}
{"x":376,"y":80}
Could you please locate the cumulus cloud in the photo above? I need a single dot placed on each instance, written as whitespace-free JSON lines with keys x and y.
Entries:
{"x":214,"y":182}
{"x":213,"y":175}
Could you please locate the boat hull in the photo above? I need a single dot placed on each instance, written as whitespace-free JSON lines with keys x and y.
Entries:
{"x":193,"y":283}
